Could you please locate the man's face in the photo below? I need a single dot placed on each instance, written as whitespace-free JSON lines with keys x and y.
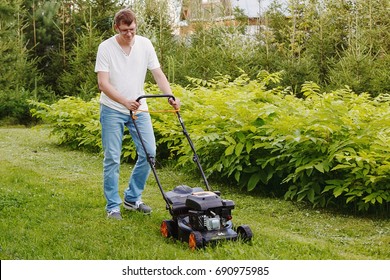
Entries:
{"x":127,"y":32}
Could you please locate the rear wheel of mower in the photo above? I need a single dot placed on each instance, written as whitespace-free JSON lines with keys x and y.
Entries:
{"x":244,"y":233}
{"x":167,"y":228}
{"x":195,"y":240}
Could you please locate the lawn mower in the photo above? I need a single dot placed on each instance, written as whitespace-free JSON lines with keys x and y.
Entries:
{"x":199,"y":216}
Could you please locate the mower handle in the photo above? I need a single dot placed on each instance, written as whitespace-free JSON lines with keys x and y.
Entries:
{"x":156,"y":96}
{"x":150,"y":160}
{"x":153,"y":96}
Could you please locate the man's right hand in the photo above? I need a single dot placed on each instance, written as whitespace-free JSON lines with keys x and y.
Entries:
{"x":132,"y":105}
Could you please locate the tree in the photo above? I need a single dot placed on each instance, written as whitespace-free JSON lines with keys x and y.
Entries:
{"x":18,"y":76}
{"x":292,"y":32}
{"x":79,"y":78}
{"x":363,"y":64}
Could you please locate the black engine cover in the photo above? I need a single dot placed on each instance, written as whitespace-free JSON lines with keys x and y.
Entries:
{"x":203,"y":200}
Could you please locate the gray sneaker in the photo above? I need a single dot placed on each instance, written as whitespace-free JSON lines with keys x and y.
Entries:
{"x":137,"y":206}
{"x":114,"y":214}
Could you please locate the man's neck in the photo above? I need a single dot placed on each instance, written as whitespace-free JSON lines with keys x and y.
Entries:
{"x":124,"y":43}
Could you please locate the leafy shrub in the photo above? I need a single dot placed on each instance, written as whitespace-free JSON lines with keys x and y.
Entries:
{"x":325,"y":148}
{"x":338,"y":149}
{"x":75,"y":122}
{"x":328,"y":148}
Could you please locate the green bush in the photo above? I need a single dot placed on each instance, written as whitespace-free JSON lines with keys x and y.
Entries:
{"x":329,"y":149}
{"x":75,"y":121}
{"x":14,"y":107}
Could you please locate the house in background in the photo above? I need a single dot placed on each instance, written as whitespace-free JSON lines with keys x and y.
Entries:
{"x":186,"y":13}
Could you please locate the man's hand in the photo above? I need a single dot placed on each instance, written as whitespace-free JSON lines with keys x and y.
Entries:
{"x":175,"y":103}
{"x":132,"y":104}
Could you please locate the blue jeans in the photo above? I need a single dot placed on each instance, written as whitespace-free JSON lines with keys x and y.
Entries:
{"x":113,"y":124}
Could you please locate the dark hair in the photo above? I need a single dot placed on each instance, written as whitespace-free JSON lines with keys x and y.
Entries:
{"x":125,"y":16}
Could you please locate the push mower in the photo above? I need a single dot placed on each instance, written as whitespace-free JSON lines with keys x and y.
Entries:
{"x":199,"y":216}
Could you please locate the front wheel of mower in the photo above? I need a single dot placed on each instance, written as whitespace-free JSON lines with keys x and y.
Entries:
{"x":195,"y":240}
{"x":244,"y":232}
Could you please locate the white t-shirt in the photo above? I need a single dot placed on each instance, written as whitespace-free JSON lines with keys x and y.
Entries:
{"x":127,"y":72}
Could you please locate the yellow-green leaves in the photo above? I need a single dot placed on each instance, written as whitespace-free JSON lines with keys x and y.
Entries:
{"x":326,"y":148}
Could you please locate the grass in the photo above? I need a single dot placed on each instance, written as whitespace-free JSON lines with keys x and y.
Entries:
{"x":52,"y":208}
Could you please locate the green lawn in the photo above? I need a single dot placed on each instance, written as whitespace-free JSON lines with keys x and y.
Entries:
{"x":52,"y":208}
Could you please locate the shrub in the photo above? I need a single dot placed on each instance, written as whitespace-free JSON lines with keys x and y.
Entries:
{"x":14,"y":107}
{"x":325,"y":148}
{"x":328,"y":148}
{"x":75,"y":122}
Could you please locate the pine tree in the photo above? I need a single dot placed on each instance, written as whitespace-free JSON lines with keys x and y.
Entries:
{"x":18,"y":75}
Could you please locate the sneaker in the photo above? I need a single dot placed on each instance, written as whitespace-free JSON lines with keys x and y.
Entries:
{"x":137,"y":206}
{"x":114,"y":214}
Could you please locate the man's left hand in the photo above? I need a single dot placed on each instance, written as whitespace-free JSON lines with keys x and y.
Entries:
{"x":175,"y":103}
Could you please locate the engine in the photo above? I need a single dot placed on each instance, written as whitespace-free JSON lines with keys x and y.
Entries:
{"x":208,"y":211}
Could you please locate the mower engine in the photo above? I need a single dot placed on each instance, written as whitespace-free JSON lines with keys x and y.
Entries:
{"x":208,"y":211}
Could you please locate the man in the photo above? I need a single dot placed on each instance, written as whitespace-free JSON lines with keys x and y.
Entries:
{"x":121,"y":65}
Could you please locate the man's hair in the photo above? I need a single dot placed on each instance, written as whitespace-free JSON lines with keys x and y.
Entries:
{"x":125,"y":16}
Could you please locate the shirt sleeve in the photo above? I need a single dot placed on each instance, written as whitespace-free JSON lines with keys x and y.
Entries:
{"x":102,"y":60}
{"x":153,"y":62}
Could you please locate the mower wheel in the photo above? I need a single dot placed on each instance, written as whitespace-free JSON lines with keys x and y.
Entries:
{"x":167,"y":228}
{"x":244,"y":233}
{"x":195,"y":240}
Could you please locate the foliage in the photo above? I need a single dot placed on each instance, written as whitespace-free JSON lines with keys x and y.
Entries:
{"x":17,"y":70}
{"x":335,"y":38}
{"x":48,"y":47}
{"x":19,"y":77}
{"x":216,"y":50}
{"x":14,"y":108}
{"x":325,"y":148}
{"x":76,"y":122}
{"x":75,"y":81}
{"x":55,"y":27}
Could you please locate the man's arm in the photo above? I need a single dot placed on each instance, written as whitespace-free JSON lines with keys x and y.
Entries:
{"x":163,"y":84}
{"x":108,"y":89}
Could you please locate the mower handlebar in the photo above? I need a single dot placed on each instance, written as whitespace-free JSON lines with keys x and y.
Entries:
{"x":155,"y":96}
{"x":195,"y":156}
